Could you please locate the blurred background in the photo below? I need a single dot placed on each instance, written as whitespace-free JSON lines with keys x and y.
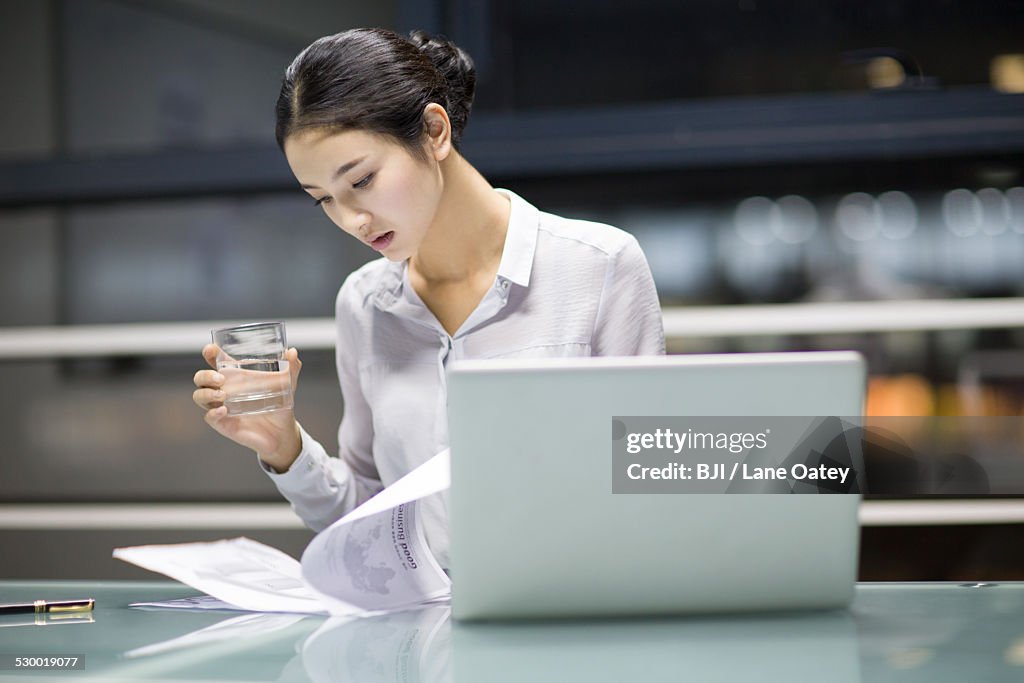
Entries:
{"x":801,"y":175}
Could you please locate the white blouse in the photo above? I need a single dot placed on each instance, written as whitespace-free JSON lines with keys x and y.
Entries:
{"x":564,"y":288}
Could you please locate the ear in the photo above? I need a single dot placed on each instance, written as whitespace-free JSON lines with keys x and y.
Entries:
{"x":438,"y":128}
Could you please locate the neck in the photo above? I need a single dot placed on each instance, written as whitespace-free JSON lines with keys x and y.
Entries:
{"x":467,"y":235}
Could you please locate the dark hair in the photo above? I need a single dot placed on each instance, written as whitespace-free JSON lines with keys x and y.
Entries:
{"x":376,"y":80}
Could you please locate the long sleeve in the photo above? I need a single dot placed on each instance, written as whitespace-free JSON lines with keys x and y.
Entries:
{"x":629,"y":321}
{"x":321,"y":489}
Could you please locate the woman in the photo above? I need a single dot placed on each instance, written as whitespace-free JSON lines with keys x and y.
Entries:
{"x":370,"y":123}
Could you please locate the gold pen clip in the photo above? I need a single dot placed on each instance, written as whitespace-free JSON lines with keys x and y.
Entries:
{"x":64,"y":609}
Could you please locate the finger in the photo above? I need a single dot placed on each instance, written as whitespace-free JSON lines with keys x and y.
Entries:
{"x":208,"y":379}
{"x":210,"y":352}
{"x":208,"y":398}
{"x":215,"y":416}
{"x":294,"y":365}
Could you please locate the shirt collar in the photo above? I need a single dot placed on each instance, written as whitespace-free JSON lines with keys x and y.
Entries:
{"x":520,"y":240}
{"x":516,"y":257}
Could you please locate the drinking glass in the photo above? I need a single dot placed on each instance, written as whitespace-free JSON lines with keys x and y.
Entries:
{"x":256,"y":374}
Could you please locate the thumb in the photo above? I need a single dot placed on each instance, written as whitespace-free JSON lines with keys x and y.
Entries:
{"x":210,"y":352}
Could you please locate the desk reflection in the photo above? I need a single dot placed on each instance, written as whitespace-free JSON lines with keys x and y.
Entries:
{"x":409,"y":646}
{"x":45,"y":619}
{"x":930,"y":633}
{"x":820,"y":646}
{"x":425,"y":646}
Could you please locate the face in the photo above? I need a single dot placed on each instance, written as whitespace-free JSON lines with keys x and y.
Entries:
{"x":371,"y":187}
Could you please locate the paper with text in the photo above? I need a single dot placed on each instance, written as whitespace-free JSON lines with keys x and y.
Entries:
{"x":196,"y":603}
{"x":238,"y":571}
{"x":374,"y":559}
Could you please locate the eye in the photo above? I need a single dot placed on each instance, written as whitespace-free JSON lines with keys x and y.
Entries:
{"x":323,"y":200}
{"x":364,"y":182}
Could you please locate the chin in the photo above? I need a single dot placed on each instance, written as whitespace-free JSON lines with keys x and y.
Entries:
{"x":395,"y":256}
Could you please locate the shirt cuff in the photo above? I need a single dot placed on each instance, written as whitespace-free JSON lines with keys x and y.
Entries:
{"x":302,"y":467}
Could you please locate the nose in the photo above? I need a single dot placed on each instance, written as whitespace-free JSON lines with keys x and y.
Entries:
{"x":354,"y":221}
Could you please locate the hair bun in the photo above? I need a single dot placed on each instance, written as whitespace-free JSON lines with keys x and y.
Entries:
{"x":458,"y":70}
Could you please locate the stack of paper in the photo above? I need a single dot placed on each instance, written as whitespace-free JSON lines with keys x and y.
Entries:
{"x":374,"y":559}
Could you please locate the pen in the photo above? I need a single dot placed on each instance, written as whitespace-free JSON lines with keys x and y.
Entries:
{"x":52,"y":607}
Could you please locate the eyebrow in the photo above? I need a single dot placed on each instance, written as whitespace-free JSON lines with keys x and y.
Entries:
{"x":342,"y":170}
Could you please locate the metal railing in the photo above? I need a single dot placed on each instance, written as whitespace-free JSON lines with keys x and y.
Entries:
{"x":681,"y":322}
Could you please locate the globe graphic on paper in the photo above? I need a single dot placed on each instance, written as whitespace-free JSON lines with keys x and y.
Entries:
{"x":366,"y":576}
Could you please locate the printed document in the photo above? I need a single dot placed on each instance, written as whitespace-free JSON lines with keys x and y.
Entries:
{"x":374,"y":559}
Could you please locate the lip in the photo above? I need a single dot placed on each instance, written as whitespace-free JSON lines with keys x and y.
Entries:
{"x":382,"y":241}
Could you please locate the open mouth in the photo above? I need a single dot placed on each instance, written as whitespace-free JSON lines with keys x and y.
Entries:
{"x":381,"y":243}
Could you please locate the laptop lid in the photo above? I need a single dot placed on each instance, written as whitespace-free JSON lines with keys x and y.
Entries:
{"x":536,"y":530}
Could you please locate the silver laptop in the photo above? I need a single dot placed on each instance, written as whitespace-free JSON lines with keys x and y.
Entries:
{"x":536,"y":530}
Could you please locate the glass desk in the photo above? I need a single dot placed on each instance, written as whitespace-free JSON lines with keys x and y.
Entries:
{"x":893,"y":632}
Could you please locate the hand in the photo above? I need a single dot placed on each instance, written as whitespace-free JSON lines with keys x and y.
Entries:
{"x":274,"y":436}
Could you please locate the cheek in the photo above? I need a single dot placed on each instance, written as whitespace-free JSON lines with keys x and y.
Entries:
{"x":410,"y":202}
